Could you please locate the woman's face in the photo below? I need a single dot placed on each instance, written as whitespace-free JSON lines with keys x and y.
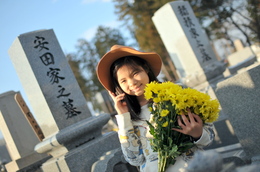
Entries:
{"x":132,"y":80}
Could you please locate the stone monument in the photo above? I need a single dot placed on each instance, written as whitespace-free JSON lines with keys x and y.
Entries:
{"x":240,"y":59}
{"x":21,"y":133}
{"x":239,"y":97}
{"x":47,"y":78}
{"x":72,"y":135}
{"x":187,"y":43}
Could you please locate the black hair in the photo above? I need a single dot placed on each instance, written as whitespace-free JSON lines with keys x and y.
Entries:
{"x":131,"y":101}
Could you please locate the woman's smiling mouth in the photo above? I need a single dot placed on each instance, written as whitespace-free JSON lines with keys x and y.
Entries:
{"x":136,"y":89}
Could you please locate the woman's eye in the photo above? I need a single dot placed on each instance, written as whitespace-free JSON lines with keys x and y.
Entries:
{"x":135,"y":73}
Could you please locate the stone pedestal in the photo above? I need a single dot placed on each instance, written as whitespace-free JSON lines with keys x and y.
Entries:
{"x":82,"y":158}
{"x":113,"y":161}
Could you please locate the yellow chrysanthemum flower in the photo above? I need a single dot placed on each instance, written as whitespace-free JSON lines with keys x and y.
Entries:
{"x":165,"y":124}
{"x":164,"y":113}
{"x":156,"y":100}
{"x":196,"y":110}
{"x":181,"y":99}
{"x":148,"y":94}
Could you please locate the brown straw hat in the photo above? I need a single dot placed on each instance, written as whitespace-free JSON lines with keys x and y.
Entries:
{"x":118,"y":51}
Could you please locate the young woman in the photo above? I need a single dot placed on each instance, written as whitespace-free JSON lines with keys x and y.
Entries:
{"x":124,"y":72}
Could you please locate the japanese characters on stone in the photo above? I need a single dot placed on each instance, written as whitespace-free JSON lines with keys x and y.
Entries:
{"x":55,"y":75}
{"x":193,"y":32}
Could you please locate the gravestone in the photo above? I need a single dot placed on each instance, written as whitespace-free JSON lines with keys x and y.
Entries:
{"x":241,"y":59}
{"x":238,"y":44}
{"x":187,"y":43}
{"x":72,"y":135}
{"x":47,"y":78}
{"x":21,"y":132}
{"x":239,"y":97}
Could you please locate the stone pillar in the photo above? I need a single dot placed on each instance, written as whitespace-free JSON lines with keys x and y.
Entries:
{"x":21,"y":132}
{"x":51,"y":87}
{"x":187,"y":43}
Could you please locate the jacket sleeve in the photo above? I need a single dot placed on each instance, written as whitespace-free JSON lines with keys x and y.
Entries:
{"x":207,"y":136}
{"x":129,"y":139}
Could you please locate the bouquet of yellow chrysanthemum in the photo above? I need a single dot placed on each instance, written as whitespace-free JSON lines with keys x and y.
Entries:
{"x":169,"y":101}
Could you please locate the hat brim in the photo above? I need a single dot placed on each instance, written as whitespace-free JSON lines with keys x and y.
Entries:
{"x":103,"y":67}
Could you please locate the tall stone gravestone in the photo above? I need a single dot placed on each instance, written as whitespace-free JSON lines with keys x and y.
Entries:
{"x":48,"y":81}
{"x":239,"y":97}
{"x":72,"y":135}
{"x":21,"y":132}
{"x":186,"y":43}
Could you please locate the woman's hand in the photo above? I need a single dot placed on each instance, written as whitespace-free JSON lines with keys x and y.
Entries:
{"x":120,"y":104}
{"x":192,"y":126}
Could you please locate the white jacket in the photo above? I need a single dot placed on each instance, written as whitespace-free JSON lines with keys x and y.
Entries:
{"x":134,"y":138}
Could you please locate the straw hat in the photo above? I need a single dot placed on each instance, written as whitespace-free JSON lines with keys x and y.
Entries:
{"x":118,"y":51}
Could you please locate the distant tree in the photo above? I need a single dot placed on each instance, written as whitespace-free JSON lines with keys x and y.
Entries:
{"x":227,"y":16}
{"x":75,"y":66}
{"x":105,"y":38}
{"x":87,"y":59}
{"x":83,"y":82}
{"x":253,"y":8}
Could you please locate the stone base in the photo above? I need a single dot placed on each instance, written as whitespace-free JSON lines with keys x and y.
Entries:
{"x":83,"y":157}
{"x":247,"y":62}
{"x":206,"y":74}
{"x":30,"y":163}
{"x":113,"y":161}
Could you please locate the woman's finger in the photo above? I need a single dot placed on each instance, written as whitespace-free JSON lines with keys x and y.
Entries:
{"x":120,"y":97}
{"x":115,"y":97}
{"x":181,"y":125}
{"x":191,"y":116}
{"x":185,"y":120}
{"x":180,"y":122}
{"x":197,"y":118}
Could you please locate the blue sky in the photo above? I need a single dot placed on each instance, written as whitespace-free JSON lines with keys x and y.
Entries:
{"x":70,"y":20}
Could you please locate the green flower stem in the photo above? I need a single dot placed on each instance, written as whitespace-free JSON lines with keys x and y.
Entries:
{"x":162,"y":161}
